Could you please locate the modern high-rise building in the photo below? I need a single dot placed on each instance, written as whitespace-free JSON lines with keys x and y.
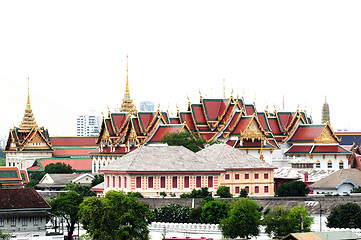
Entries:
{"x":147,"y":106}
{"x":88,"y":124}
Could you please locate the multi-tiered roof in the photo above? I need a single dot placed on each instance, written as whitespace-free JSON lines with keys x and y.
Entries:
{"x":230,"y":120}
{"x":28,"y":137}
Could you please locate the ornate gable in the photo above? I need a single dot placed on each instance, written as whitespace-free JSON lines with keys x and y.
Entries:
{"x":254,"y":130}
{"x":327,"y":136}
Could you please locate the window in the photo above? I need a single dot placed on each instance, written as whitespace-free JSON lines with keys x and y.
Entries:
{"x":265,"y":176}
{"x":318,"y":164}
{"x":246,"y":176}
{"x":24,"y":222}
{"x":13,"y":222}
{"x":1,"y":222}
{"x":150,"y":182}
{"x":340,"y":165}
{"x":186,"y":182}
{"x":36,"y":221}
{"x":265,"y":189}
{"x":256,"y":176}
{"x":174,"y":182}
{"x":198,"y":181}
{"x":125,"y":182}
{"x":227,"y":176}
{"x":210,"y":181}
{"x":236,"y":176}
{"x":108,"y":181}
{"x":113,"y":182}
{"x":237,"y":190}
{"x":256,"y":189}
{"x":162,"y":182}
{"x":247,"y":189}
{"x":329,"y":164}
{"x":138,"y":182}
{"x":120,"y":182}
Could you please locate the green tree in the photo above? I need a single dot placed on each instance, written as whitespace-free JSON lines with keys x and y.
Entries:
{"x":243,"y":193}
{"x":186,"y":139}
{"x":294,"y":188}
{"x":214,"y":211}
{"x":280,"y":222}
{"x":34,"y":179}
{"x":243,"y":220}
{"x":172,"y":212}
{"x":82,"y":190}
{"x":4,"y":236}
{"x":200,"y":193}
{"x":97,"y":179}
{"x":346,"y":215}
{"x":116,"y":216}
{"x":58,"y":167}
{"x":223,"y":192}
{"x":66,"y":205}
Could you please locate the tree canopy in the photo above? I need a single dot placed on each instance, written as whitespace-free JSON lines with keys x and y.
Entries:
{"x":223,"y":192}
{"x":294,"y":188}
{"x":80,"y":189}
{"x":58,"y":167}
{"x":172,"y":212}
{"x":280,"y":222}
{"x":186,"y":139}
{"x":214,"y":211}
{"x":243,"y":221}
{"x":346,"y":215}
{"x":66,"y":205}
{"x":116,"y":216}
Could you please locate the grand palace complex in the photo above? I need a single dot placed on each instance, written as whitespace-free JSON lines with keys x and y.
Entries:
{"x":257,"y":145}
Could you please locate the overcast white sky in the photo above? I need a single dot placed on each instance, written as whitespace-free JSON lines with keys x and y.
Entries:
{"x":75,"y":55}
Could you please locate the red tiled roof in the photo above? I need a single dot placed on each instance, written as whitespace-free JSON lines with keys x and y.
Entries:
{"x":73,"y":141}
{"x":198,"y":114}
{"x":118,"y":120}
{"x":187,"y":118}
{"x":299,"y":149}
{"x":24,"y":198}
{"x":306,"y":133}
{"x":76,"y":164}
{"x":73,"y":152}
{"x":163,"y":130}
{"x":330,"y":149}
{"x":214,"y":108}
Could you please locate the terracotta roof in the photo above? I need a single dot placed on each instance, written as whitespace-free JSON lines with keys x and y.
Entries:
{"x":25,"y":198}
{"x":73,"y":141}
{"x":335,"y":179}
{"x":75,"y":163}
{"x":161,"y":159}
{"x":230,"y":158}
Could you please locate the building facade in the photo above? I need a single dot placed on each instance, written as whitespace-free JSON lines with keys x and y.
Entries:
{"x":242,"y":171}
{"x":23,"y":213}
{"x":88,"y":124}
{"x":151,"y":170}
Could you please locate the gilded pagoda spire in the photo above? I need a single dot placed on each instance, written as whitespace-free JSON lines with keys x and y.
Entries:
{"x":28,"y":121}
{"x":128,"y":105}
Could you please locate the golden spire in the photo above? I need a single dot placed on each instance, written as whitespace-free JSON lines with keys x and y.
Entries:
{"x":128,"y":105}
{"x":127,"y":86}
{"x":28,"y":121}
{"x":28,"y":103}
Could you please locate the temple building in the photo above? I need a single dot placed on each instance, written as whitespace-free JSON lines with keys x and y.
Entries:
{"x":274,"y":137}
{"x":28,"y":142}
